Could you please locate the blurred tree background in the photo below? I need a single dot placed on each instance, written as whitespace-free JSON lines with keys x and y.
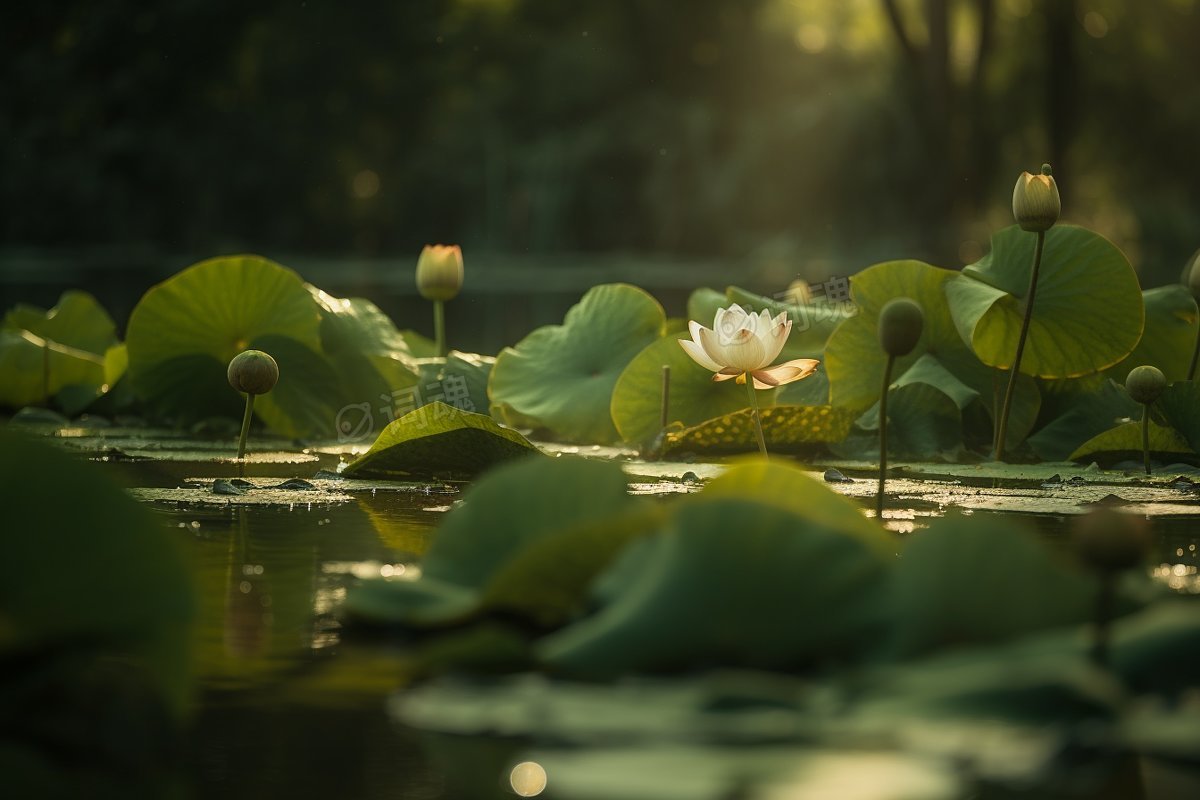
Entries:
{"x":819,"y":135}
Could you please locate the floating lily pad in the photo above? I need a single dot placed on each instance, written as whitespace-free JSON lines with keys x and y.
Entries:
{"x":562,"y":376}
{"x":727,"y":582}
{"x":1169,"y":337}
{"x":1124,"y":443}
{"x":855,"y":362}
{"x":184,"y":331}
{"x":45,"y":353}
{"x":1014,"y":586}
{"x":1088,"y":313}
{"x":439,"y":441}
{"x":507,"y":511}
{"x":785,"y":428}
{"x":694,"y":395}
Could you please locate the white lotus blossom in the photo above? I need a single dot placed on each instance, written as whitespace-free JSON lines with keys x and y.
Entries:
{"x":741,"y":343}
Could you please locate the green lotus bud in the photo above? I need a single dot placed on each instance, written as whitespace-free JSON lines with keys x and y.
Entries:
{"x":900,"y":323}
{"x":253,"y":372}
{"x":1110,"y":541}
{"x":1036,"y":204}
{"x":440,"y":272}
{"x":1145,"y":384}
{"x":1191,"y":275}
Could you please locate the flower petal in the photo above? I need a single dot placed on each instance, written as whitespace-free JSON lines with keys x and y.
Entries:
{"x":775,"y":342}
{"x":728,"y":373}
{"x":787,"y":372}
{"x":744,"y":352}
{"x":694,"y":349}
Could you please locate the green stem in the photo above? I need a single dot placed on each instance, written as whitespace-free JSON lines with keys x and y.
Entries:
{"x":1016,"y":367}
{"x":245,"y":426}
{"x":1195,"y":356}
{"x":439,"y":327}
{"x":883,"y":425}
{"x":46,"y":372}
{"x":1146,"y":437}
{"x":762,"y":443}
{"x":665,"y":412}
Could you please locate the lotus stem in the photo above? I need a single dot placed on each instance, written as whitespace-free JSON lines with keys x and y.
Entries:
{"x":245,"y":428}
{"x":883,"y":441}
{"x":757,"y":417}
{"x":439,"y":327}
{"x":1002,"y":431}
{"x":1195,"y":355}
{"x":1146,"y":437}
{"x":664,"y":413}
{"x":46,"y":372}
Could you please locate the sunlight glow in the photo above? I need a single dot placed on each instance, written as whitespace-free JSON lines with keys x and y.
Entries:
{"x":528,"y":779}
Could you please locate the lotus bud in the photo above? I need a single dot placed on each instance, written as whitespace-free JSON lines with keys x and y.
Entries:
{"x":900,"y":323}
{"x":253,"y":372}
{"x":440,"y":272}
{"x":1145,"y":384}
{"x":1191,"y":275}
{"x":1110,"y":541}
{"x":1036,"y":204}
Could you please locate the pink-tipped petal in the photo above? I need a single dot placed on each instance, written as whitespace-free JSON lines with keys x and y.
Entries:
{"x":775,"y":342}
{"x":729,"y":373}
{"x":787,"y":372}
{"x":698,"y":355}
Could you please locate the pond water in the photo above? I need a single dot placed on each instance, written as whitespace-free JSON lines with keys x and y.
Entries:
{"x":290,"y":707}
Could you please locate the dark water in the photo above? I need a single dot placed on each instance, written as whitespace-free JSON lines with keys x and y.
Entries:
{"x":289,"y":708}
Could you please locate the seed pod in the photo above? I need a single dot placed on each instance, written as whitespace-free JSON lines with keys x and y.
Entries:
{"x":1145,"y":384}
{"x":440,"y":272}
{"x":1110,"y":541}
{"x":1036,"y":204}
{"x":1191,"y":275}
{"x":900,"y":324}
{"x":253,"y":372}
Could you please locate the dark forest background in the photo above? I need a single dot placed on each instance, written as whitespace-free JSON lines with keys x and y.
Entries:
{"x":823,"y":135}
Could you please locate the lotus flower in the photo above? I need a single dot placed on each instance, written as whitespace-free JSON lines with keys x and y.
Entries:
{"x":741,"y":344}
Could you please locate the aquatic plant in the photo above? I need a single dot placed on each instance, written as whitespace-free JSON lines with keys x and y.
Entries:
{"x":900,"y":324}
{"x":1145,"y":384}
{"x":440,"y":278}
{"x":740,"y":346}
{"x":251,"y":372}
{"x":1109,"y":542}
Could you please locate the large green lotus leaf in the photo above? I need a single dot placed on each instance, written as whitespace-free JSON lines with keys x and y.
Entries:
{"x":1124,"y":442}
{"x":855,"y":362}
{"x":547,"y":581}
{"x":979,"y":580}
{"x":1169,"y":337}
{"x":370,"y":356}
{"x":1090,"y":415}
{"x":1180,"y":406}
{"x":459,"y":379}
{"x":89,"y":570}
{"x":563,"y":376}
{"x":694,"y":395}
{"x":44,"y":352}
{"x":1088,"y":314}
{"x":439,"y":441}
{"x":792,"y":489}
{"x":505,"y":512}
{"x":1158,"y":650}
{"x":185,"y":330}
{"x":785,"y":429}
{"x":728,"y":582}
{"x":812,"y":323}
{"x":703,"y":303}
{"x":925,"y":407}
